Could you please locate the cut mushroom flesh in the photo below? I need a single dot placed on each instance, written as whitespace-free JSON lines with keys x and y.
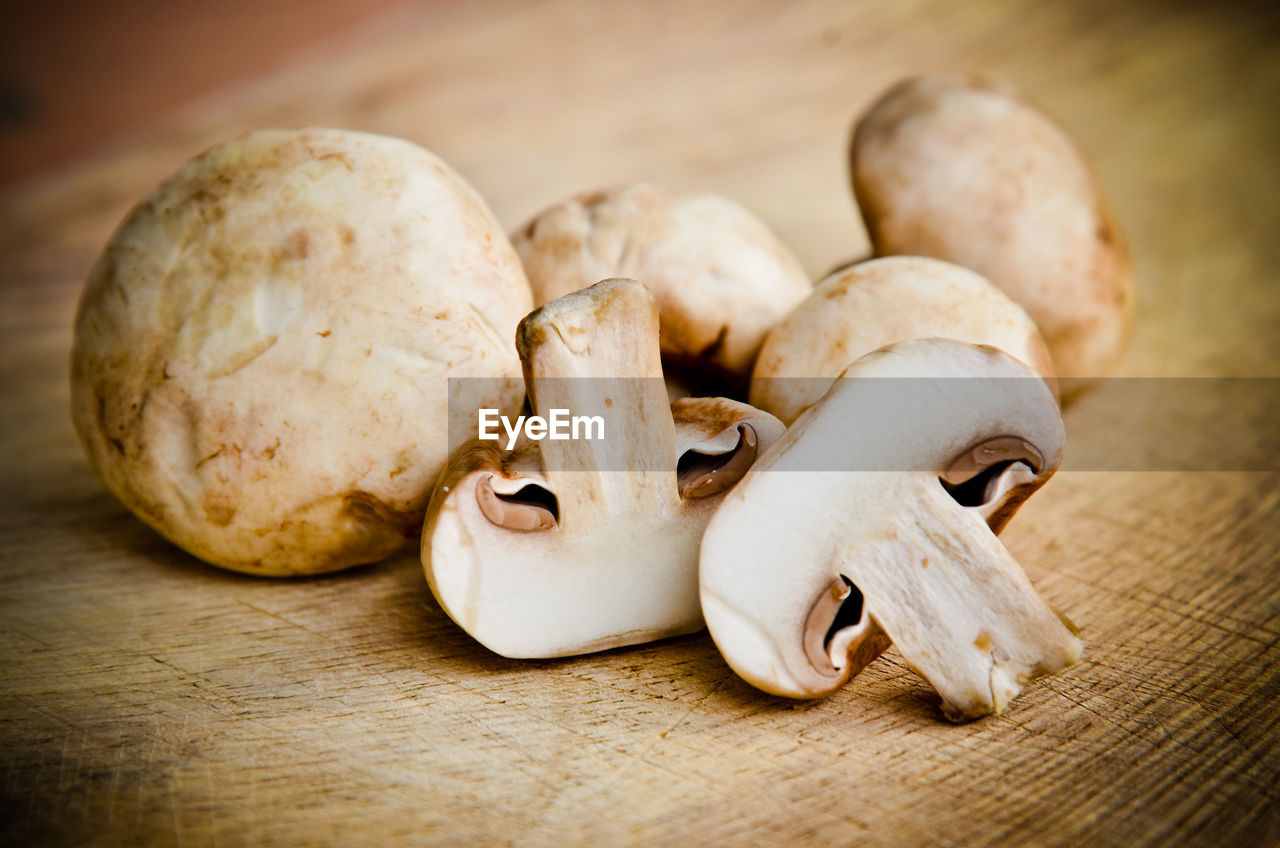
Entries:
{"x":837,"y":634}
{"x":700,"y":473}
{"x":565,"y":547}
{"x":807,"y":576}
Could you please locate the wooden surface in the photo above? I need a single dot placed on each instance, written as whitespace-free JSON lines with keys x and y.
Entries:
{"x":148,"y":699}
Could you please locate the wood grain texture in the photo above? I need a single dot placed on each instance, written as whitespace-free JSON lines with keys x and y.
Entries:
{"x":148,"y":699}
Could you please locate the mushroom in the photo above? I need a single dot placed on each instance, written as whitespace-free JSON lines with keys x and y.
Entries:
{"x":872,"y":304}
{"x":968,"y":170}
{"x":261,"y":352}
{"x":571,"y":546}
{"x":873,"y":519}
{"x":721,"y":277}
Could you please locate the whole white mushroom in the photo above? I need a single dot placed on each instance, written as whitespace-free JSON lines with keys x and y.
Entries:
{"x":868,"y":305}
{"x":721,"y":277}
{"x":968,"y":170}
{"x":262,"y":351}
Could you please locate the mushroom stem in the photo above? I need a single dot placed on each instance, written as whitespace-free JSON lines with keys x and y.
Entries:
{"x":595,"y":353}
{"x":944,"y":567}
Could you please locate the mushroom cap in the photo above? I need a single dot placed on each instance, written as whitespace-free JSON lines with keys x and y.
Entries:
{"x":852,"y":495}
{"x":875,"y":303}
{"x":262,"y":351}
{"x":721,"y":277}
{"x":963,"y":169}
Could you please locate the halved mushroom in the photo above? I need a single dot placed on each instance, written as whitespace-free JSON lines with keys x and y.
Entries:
{"x":578,"y":545}
{"x":874,"y":303}
{"x":873,"y":519}
{"x":720,"y":275}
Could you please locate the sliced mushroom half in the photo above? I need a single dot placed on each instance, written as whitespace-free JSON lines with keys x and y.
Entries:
{"x":874,"y":519}
{"x":563,"y":547}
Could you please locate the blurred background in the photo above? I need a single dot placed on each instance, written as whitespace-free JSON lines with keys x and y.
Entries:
{"x":76,"y":75}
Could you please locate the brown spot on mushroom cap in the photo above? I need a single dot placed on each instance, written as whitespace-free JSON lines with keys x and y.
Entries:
{"x":404,"y":518}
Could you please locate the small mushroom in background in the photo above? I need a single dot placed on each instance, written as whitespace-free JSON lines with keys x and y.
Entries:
{"x":578,"y":545}
{"x":969,"y":171}
{"x":262,"y":351}
{"x":878,"y":302}
{"x":874,"y":520}
{"x":721,"y":277}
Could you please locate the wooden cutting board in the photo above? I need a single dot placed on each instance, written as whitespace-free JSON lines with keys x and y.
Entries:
{"x":148,"y":699}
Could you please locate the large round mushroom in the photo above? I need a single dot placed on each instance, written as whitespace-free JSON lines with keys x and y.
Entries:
{"x":262,"y":351}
